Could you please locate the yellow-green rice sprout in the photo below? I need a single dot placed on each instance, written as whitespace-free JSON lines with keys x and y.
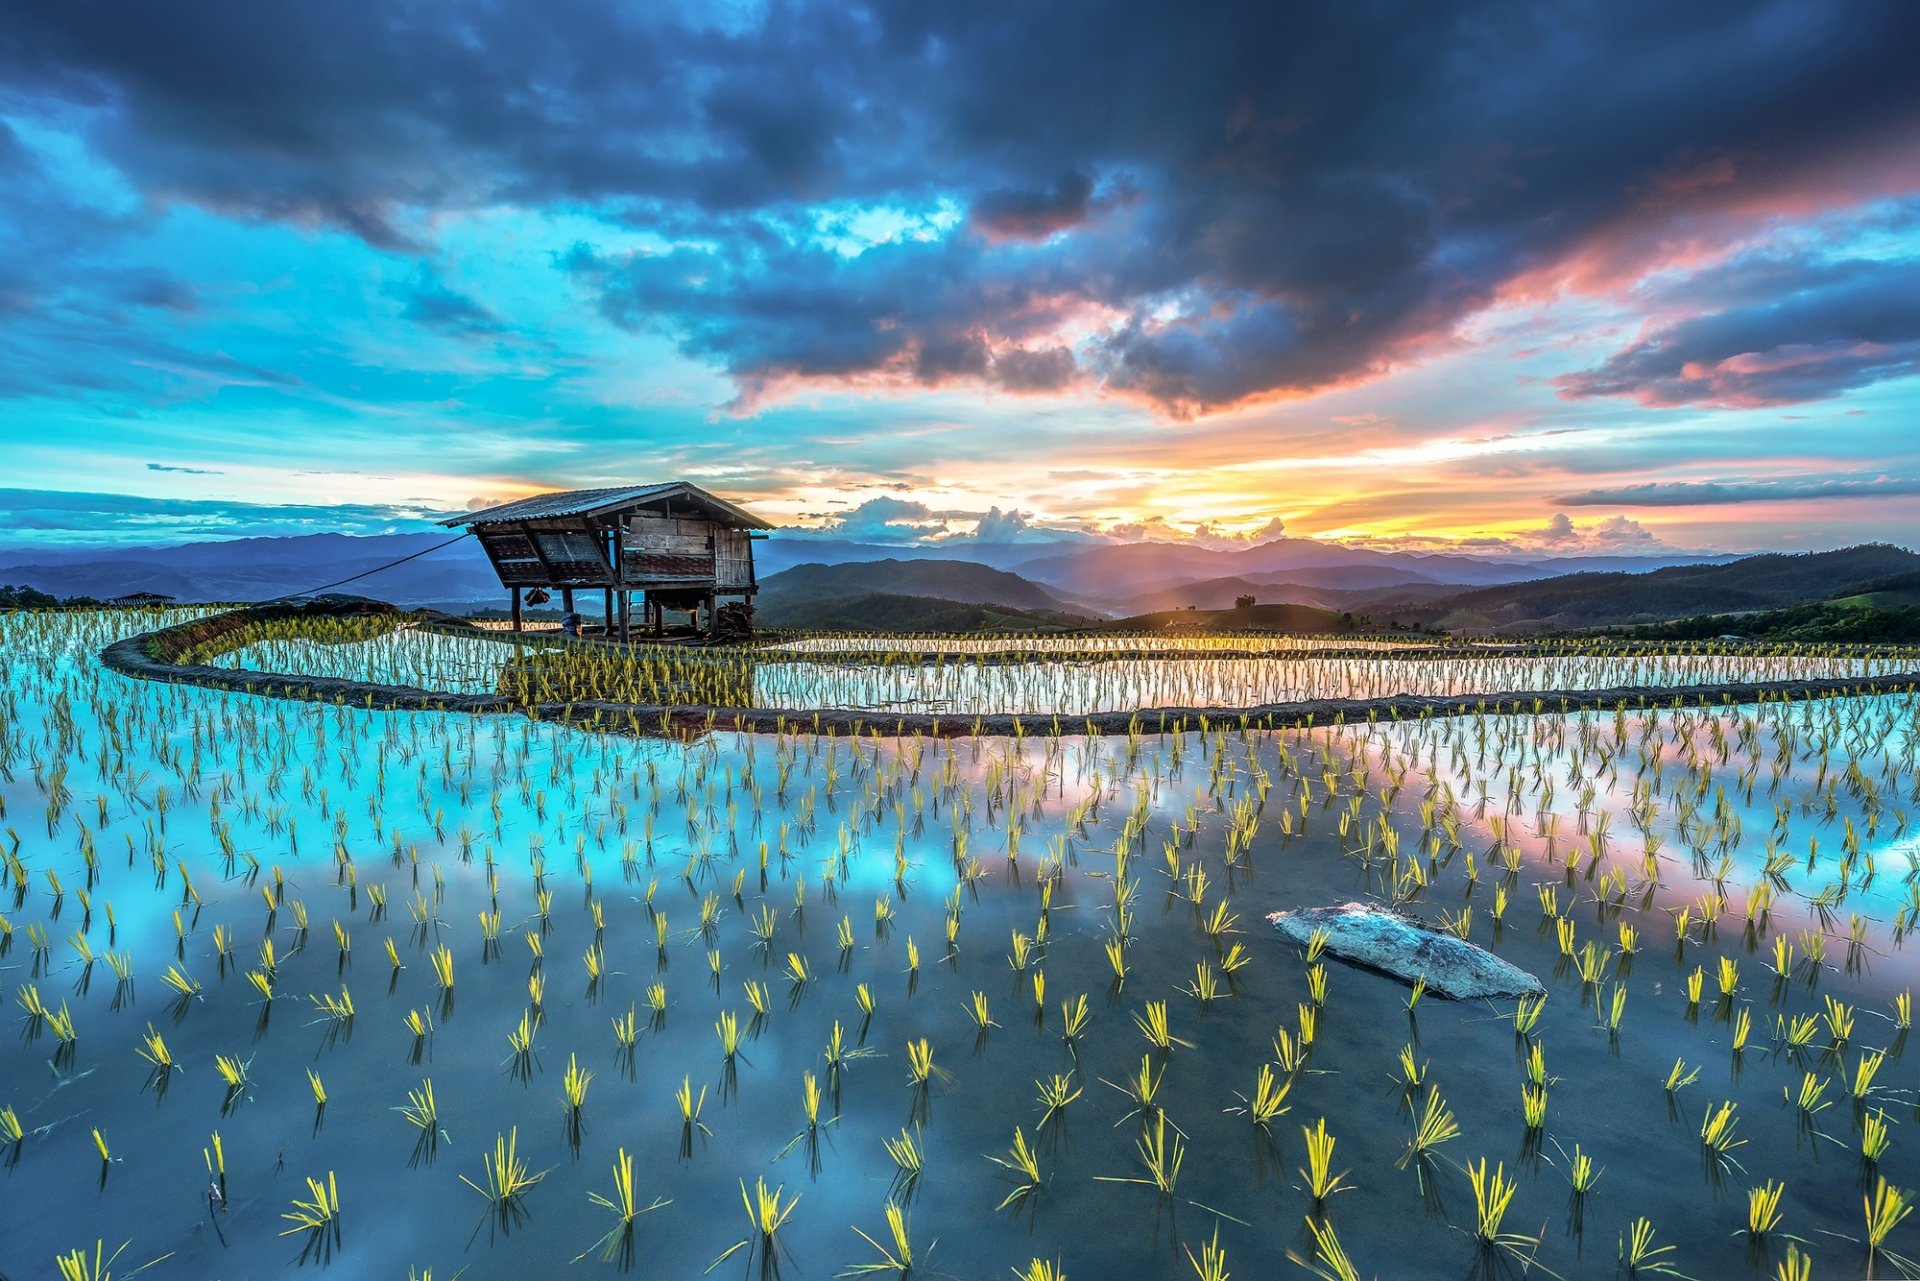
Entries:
{"x":1886,"y":1207}
{"x":320,"y":1212}
{"x":1763,"y":1207}
{"x":1321,"y":1181}
{"x":1639,"y":1253}
{"x":508,"y":1178}
{"x":1717,"y":1128}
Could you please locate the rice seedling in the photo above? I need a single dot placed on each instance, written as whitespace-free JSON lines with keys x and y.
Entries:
{"x":508,"y":1178}
{"x":895,"y":1258}
{"x":1582,"y":1173}
{"x":573,"y":1087}
{"x":1330,"y":1261}
{"x":1797,"y":1266}
{"x":1055,"y":1092}
{"x":1074,"y":1018}
{"x":1160,"y":1156}
{"x":1742,"y":1028}
{"x":1839,"y":1019}
{"x":10,"y":1129}
{"x":441,"y":959}
{"x":232,"y":1072}
{"x":1533,"y":1105}
{"x":74,"y":1265}
{"x":1864,"y":1071}
{"x":1640,"y":1255}
{"x":1728,"y":976}
{"x":1717,"y":1129}
{"x":319,"y":1090}
{"x":181,"y":982}
{"x":1023,"y":1166}
{"x":1211,"y":1264}
{"x":153,"y":1049}
{"x":977,"y":1011}
{"x":1886,"y":1208}
{"x":1876,"y":1136}
{"x":908,"y":1158}
{"x":617,"y":1245}
{"x":1154,"y":1026}
{"x":1799,"y":1030}
{"x":1492,"y":1194}
{"x":1809,"y":1098}
{"x":319,"y":1214}
{"x":1763,"y":1208}
{"x":919,"y":1061}
{"x":767,"y":1213}
{"x":1434,"y":1126}
{"x":1321,"y":1181}
{"x":421,"y":1111}
{"x":1526,"y":1014}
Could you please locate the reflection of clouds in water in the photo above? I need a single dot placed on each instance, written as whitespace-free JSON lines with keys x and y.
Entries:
{"x":1711,"y":804}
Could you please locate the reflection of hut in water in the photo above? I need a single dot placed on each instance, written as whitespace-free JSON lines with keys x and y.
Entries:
{"x":675,"y":544}
{"x":543,"y":675}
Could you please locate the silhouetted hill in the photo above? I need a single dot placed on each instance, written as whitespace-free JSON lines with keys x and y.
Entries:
{"x":948,"y":580}
{"x":891,"y":612}
{"x":1751,"y":584}
{"x":1262,"y":618}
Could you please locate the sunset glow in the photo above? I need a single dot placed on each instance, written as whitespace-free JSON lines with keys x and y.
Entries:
{"x":1568,"y":309}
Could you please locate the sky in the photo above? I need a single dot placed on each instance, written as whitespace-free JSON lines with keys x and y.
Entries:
{"x":1619,"y":276}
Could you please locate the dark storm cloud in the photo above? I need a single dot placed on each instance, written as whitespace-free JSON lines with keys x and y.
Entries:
{"x":1033,"y":215}
{"x":1819,"y":329}
{"x":1303,"y":195}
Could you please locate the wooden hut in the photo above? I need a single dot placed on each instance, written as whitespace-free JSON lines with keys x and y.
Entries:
{"x":677,"y":545}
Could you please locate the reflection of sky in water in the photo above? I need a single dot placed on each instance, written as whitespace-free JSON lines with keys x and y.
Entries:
{"x":374,"y":784}
{"x":1779,"y":748}
{"x":963,"y":688}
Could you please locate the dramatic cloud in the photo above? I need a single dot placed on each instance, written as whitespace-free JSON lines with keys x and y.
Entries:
{"x":1194,"y":207}
{"x":1824,"y":328}
{"x":1561,"y":536}
{"x":883,"y":520}
{"x":1680,"y":493}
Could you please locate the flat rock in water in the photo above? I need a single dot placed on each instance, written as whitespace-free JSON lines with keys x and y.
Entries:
{"x":1408,"y":949}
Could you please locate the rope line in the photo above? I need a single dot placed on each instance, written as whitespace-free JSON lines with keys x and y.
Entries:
{"x":377,"y":569}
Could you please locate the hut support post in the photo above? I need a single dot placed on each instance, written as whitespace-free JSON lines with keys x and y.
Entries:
{"x":516,"y":609}
{"x":626,"y":612}
{"x":606,"y":615}
{"x":566,"y":600}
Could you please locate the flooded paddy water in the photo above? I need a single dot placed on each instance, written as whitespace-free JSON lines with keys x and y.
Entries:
{"x":901,"y":930}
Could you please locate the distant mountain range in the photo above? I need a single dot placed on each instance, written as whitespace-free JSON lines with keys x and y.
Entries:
{"x":1104,"y":580}
{"x":824,"y":584}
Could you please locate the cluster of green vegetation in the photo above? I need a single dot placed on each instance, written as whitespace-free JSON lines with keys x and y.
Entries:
{"x":1838,"y":621}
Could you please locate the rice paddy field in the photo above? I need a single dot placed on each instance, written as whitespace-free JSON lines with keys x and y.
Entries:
{"x":972,"y":679}
{"x":395,"y":994}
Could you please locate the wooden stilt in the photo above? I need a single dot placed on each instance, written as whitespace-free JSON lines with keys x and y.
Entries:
{"x":516,"y":609}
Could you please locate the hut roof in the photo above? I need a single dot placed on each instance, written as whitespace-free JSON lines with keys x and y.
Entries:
{"x":565,"y":504}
